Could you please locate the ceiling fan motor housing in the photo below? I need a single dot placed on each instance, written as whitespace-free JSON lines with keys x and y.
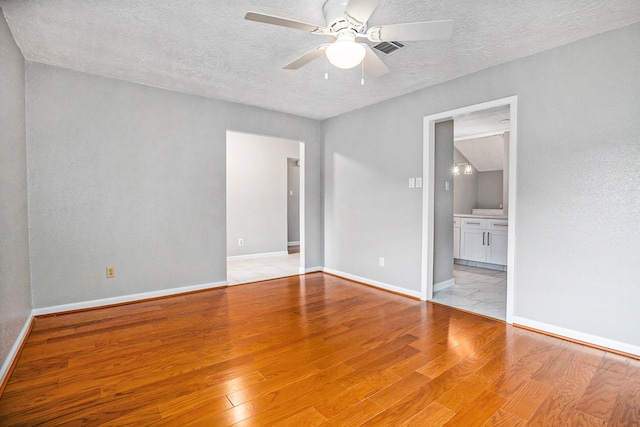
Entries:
{"x":336,"y":18}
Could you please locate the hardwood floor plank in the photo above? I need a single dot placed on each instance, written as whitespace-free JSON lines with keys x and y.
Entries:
{"x":339,"y":356}
{"x":187,"y":409}
{"x":578,"y":418}
{"x":601,"y":394}
{"x":392,"y":393}
{"x":556,"y":408}
{"x":434,"y":415}
{"x":615,"y":363}
{"x":309,"y":417}
{"x":214,"y":398}
{"x":353,"y":395}
{"x":407,"y":407}
{"x":478,"y":411}
{"x":464,"y":393}
{"x":379,"y":352}
{"x":294,"y":404}
{"x":512,"y":379}
{"x":273,"y":381}
{"x":355,"y":415}
{"x":146,"y":415}
{"x":308,"y":350}
{"x":626,"y":411}
{"x":463,"y":348}
{"x":526,"y":400}
{"x":282,"y":400}
{"x":502,"y":418}
{"x":418,"y":360}
{"x":552,"y":371}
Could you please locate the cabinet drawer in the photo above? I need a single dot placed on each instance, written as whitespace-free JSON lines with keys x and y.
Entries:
{"x":497,"y":224}
{"x":475,"y":223}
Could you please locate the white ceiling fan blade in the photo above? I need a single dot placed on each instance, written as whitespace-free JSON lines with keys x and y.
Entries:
{"x":433,"y":30}
{"x":283,"y":22}
{"x":361,"y":10}
{"x":306,"y":58}
{"x":373,"y":64}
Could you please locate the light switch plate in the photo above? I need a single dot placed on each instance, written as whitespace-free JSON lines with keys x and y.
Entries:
{"x":418,"y":182}
{"x":412,"y":182}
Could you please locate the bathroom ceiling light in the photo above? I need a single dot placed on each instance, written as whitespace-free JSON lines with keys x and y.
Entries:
{"x":468,"y":169}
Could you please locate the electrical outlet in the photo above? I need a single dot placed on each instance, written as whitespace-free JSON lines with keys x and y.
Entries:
{"x":240,"y":242}
{"x":381,"y":262}
{"x":111,"y":272}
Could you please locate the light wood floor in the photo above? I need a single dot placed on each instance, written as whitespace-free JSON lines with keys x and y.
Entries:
{"x":314,"y":350}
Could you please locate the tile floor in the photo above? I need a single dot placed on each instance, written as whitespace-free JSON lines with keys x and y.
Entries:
{"x":253,"y":270}
{"x":477,"y":290}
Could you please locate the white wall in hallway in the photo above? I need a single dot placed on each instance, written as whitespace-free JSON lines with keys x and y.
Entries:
{"x":257,"y":197}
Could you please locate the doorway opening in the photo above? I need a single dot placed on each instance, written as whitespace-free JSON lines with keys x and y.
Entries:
{"x":265,"y":199}
{"x":491,"y":225}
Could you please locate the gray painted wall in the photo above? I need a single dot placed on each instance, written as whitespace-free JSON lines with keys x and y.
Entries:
{"x":257,"y":172}
{"x":490,"y":190}
{"x":443,"y":203}
{"x":577,"y":235}
{"x":15,"y":287}
{"x":293,"y":200}
{"x":133,"y":176}
{"x":369,"y":211}
{"x":465,"y":196}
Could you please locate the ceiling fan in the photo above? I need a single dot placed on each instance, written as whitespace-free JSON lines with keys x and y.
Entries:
{"x":346,"y":21}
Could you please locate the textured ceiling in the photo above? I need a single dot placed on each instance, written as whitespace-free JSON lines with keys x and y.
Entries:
{"x":485,"y":154}
{"x":205,"y":47}
{"x":491,"y":121}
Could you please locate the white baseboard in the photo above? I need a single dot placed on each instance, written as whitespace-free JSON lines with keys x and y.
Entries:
{"x":374,"y":283}
{"x":256,"y":256}
{"x":13,"y":352}
{"x":443,"y":285}
{"x":293,"y":243}
{"x":311,"y":270}
{"x":577,"y":335}
{"x":124,"y":299}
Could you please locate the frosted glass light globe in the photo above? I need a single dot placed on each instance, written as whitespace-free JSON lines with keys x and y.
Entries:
{"x":345,"y":52}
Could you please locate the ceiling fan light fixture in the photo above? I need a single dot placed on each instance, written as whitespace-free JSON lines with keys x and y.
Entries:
{"x":345,"y":53}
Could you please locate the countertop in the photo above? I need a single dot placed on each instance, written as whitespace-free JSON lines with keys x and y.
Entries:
{"x":481,"y":216}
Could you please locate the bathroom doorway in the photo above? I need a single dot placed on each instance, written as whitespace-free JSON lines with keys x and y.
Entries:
{"x":494,"y":227}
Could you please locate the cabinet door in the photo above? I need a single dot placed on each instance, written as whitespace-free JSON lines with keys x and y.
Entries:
{"x":472,"y":245}
{"x":497,"y":247}
{"x":456,"y":242}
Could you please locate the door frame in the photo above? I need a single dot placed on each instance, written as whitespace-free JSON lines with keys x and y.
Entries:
{"x":428,"y":190}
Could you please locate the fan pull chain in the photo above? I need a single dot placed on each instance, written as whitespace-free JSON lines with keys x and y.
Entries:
{"x":326,"y":68}
{"x":362,"y":71}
